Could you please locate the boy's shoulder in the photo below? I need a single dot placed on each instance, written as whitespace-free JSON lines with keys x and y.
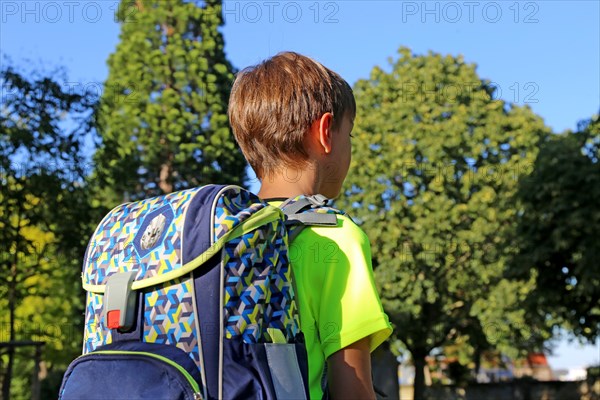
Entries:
{"x":346,"y":230}
{"x":345,"y":243}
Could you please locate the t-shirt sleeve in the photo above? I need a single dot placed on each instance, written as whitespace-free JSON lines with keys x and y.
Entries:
{"x":349,"y":305}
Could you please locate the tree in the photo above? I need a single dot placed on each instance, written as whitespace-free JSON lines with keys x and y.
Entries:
{"x":559,"y":230}
{"x":436,"y":164}
{"x":163,"y":119}
{"x":43,"y":212}
{"x":501,"y":327}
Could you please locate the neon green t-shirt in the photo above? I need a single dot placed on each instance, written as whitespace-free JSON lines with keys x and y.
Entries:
{"x":337,"y":299}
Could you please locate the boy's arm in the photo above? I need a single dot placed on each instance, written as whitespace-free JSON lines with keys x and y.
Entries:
{"x":351,"y":321}
{"x":349,"y":372}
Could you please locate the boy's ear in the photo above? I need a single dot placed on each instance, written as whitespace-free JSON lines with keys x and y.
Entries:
{"x":324,"y":133}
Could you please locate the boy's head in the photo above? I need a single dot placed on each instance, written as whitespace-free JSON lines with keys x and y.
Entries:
{"x":273,"y":105}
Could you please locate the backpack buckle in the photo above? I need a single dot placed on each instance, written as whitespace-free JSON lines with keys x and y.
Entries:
{"x":119,"y":301}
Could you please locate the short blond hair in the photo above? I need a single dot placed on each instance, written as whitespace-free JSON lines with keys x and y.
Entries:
{"x":273,"y":104}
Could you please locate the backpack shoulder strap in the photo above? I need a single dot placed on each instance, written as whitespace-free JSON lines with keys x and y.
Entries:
{"x":303,"y":211}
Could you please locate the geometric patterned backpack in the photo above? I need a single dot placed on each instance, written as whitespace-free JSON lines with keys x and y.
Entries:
{"x":190,"y":295}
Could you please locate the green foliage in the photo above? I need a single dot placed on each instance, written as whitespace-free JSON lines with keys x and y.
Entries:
{"x":559,"y":230}
{"x":163,"y":115}
{"x":43,"y":212}
{"x":436,"y":165}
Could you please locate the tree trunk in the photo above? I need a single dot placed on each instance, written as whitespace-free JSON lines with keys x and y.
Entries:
{"x":12,"y":300}
{"x":35,"y":379}
{"x":419,"y":384}
{"x":165,"y":178}
{"x":477,"y":361}
{"x":6,"y":380}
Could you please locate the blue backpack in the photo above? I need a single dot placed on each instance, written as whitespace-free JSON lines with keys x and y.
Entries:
{"x":190,"y":295}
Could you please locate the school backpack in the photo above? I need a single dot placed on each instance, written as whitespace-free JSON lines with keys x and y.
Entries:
{"x":190,"y":295}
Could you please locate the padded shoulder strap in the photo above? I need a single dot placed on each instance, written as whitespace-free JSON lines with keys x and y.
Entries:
{"x":303,"y":211}
{"x":297,"y":204}
{"x":312,"y":218}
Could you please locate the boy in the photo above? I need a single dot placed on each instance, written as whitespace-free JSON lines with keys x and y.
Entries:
{"x":292,"y":118}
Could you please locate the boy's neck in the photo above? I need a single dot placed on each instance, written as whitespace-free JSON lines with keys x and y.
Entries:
{"x":292,"y":184}
{"x":281,"y":191}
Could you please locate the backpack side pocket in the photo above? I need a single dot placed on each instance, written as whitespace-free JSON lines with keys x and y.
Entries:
{"x":268,"y":370}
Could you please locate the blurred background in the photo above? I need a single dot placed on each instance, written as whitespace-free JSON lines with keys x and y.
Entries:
{"x":475,"y":169}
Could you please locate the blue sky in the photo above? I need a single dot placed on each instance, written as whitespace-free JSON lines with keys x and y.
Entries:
{"x":542,"y":53}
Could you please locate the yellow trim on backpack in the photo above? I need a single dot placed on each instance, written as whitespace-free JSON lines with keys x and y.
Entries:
{"x":261,"y":217}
